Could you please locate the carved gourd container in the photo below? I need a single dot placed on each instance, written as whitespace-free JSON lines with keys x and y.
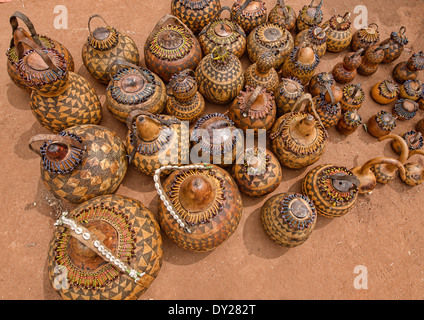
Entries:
{"x":60,"y":98}
{"x":397,"y":42}
{"x":171,"y":48}
{"x":269,"y":36}
{"x":309,"y":16}
{"x":289,"y":218}
{"x":301,"y":64}
{"x":18,"y":34}
{"x":223,"y":32}
{"x":333,"y":189}
{"x":327,"y":108}
{"x":352,"y":97}
{"x":81,"y":162}
{"x":414,"y":141}
{"x":259,"y":174}
{"x":215,"y":139}
{"x":200,"y":206}
{"x":287,"y":94}
{"x":107,"y":248}
{"x":195,"y":14}
{"x":414,"y":172}
{"x":298,"y":138}
{"x":153,"y":141}
{"x":220,"y":76}
{"x":346,"y":71}
{"x":249,"y":14}
{"x":185,"y":102}
{"x":385,"y":92}
{"x":349,"y":121}
{"x":408,"y":70}
{"x":371,"y":58}
{"x":381,"y":124}
{"x":254,"y":108}
{"x":132,"y":87}
{"x":104,"y":45}
{"x":315,"y":38}
{"x":411,"y":89}
{"x":321,"y":83}
{"x":365,"y":37}
{"x":283,"y":15}
{"x":339,"y":33}
{"x":262,"y":72}
{"x":405,"y":109}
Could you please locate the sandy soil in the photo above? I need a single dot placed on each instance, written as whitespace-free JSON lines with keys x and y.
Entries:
{"x":383,"y":232}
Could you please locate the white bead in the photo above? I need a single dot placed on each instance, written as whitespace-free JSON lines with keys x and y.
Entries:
{"x":157,"y":172}
{"x":166,"y":203}
{"x":155,"y":178}
{"x":86,"y":236}
{"x":169,"y":208}
{"x":156,"y":185}
{"x":96,"y":244}
{"x":160,"y":192}
{"x":162,"y":197}
{"x":78,"y":230}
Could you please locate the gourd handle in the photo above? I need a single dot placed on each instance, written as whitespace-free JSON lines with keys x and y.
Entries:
{"x":124,"y":63}
{"x":242,"y":7}
{"x":95,"y":16}
{"x":327,"y":86}
{"x":14,"y":23}
{"x":404,"y":150}
{"x":253,"y":97}
{"x":402,"y":30}
{"x":373,"y":24}
{"x":39,"y":50}
{"x":282,"y":4}
{"x":383,"y":160}
{"x":93,"y":242}
{"x":355,"y":91}
{"x":53,"y":137}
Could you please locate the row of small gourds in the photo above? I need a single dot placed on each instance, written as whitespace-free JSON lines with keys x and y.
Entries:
{"x":200,"y":205}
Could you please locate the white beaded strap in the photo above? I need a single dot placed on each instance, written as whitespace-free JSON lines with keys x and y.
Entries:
{"x":83,"y":235}
{"x":162,"y":194}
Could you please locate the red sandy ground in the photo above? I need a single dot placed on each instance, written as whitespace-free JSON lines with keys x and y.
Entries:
{"x":383,"y":232}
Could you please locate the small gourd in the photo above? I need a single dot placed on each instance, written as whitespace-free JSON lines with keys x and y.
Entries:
{"x":301,"y":64}
{"x":289,"y":218}
{"x":81,"y":162}
{"x":346,"y":71}
{"x":385,"y":92}
{"x":287,"y":94}
{"x":353,"y":97}
{"x":414,"y":172}
{"x":333,"y":189}
{"x":309,"y":16}
{"x":327,"y":108}
{"x":339,"y":34}
{"x":412,"y":90}
{"x":408,"y":70}
{"x":405,"y":109}
{"x":262,"y":72}
{"x":365,"y":37}
{"x":349,"y":121}
{"x":249,"y":14}
{"x":372,"y":57}
{"x":283,"y":15}
{"x":381,"y":124}
{"x":414,"y":140}
{"x":321,"y":83}
{"x":105,"y":44}
{"x":396,"y":42}
{"x":315,"y":37}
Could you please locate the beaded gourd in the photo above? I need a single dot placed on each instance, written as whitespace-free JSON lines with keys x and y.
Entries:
{"x":385,"y":92}
{"x":397,"y":42}
{"x":309,"y":16}
{"x":372,"y":57}
{"x":283,"y":15}
{"x":301,"y":64}
{"x":352,"y":97}
{"x":411,"y":89}
{"x":346,"y":71}
{"x":104,"y":45}
{"x":262,"y":72}
{"x":381,"y":124}
{"x":287,"y":94}
{"x":107,"y":248}
{"x":289,"y":218}
{"x":349,"y":121}
{"x":365,"y":37}
{"x":405,"y":109}
{"x":408,"y":70}
{"x":249,"y":14}
{"x":339,"y":33}
{"x":315,"y":37}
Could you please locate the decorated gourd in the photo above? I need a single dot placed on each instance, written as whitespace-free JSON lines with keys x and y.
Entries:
{"x":314,"y":37}
{"x":104,"y":45}
{"x":185,"y":102}
{"x":353,"y":97}
{"x":81,"y":162}
{"x":386,"y":172}
{"x":333,"y":189}
{"x":327,"y":108}
{"x":223,"y":32}
{"x":414,"y":140}
{"x":349,"y":121}
{"x":321,"y":83}
{"x":339,"y":33}
{"x":60,"y":98}
{"x":249,"y":14}
{"x":287,"y":94}
{"x":405,"y":109}
{"x":262,"y":72}
{"x":309,"y":16}
{"x":396,"y":42}
{"x":132,"y":87}
{"x":269,"y":36}
{"x":283,"y":15}
{"x":170,"y":48}
{"x":367,"y":179}
{"x":259,"y":174}
{"x":381,"y":124}
{"x":420,"y":126}
{"x":365,"y":37}
{"x":345,"y":71}
{"x":107,"y":248}
{"x":254,"y":108}
{"x":408,"y":70}
{"x":301,"y":64}
{"x":385,"y":91}
{"x":298,"y":138}
{"x":220,"y":76}
{"x":289,"y":218}
{"x":414,"y":172}
{"x":412,"y":90}
{"x":372,"y":57}
{"x":153,"y":140}
{"x":200,"y":206}
{"x":216,"y":139}
{"x":18,"y":34}
{"x":196,"y":14}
